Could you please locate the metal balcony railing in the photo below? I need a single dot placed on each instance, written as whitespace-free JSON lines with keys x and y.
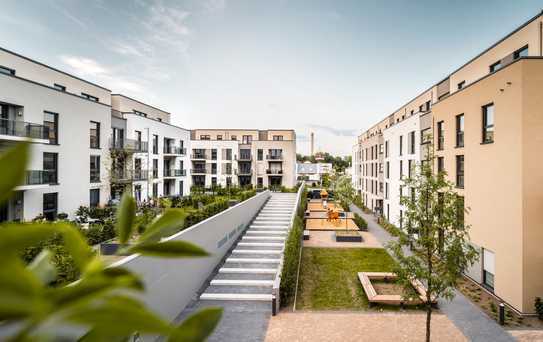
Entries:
{"x":23,"y":129}
{"x":198,"y":170}
{"x":274,"y":172}
{"x":274,"y":157}
{"x":199,"y":156}
{"x":245,"y":157}
{"x":129,"y":145}
{"x":175,"y":173}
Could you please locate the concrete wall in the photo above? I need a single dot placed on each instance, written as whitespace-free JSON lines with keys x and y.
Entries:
{"x":172,"y":283}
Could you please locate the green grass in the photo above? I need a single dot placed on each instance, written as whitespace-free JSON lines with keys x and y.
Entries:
{"x":328,"y":277}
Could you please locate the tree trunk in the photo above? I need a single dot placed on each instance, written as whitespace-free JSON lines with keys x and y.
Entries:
{"x":428,"y":319}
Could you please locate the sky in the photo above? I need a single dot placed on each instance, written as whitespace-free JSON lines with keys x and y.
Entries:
{"x":329,"y":67}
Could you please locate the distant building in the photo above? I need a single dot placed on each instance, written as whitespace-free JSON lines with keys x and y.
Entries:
{"x":312,"y":173}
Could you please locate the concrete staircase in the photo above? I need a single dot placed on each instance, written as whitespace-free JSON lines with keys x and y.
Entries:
{"x":248,"y":272}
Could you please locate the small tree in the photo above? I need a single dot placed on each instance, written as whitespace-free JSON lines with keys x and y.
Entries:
{"x":435,"y":232}
{"x":344,"y":191}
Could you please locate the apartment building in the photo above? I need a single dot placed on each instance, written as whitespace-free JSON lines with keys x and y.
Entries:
{"x":259,"y":158}
{"x":485,"y":121}
{"x":149,"y":154}
{"x":67,"y":120}
{"x":312,"y":173}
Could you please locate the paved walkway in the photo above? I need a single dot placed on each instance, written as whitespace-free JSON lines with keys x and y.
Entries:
{"x":359,"y":326}
{"x":243,"y":284}
{"x":473,"y":323}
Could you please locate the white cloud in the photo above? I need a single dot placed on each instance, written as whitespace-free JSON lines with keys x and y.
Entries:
{"x":215,"y":5}
{"x":84,"y":66}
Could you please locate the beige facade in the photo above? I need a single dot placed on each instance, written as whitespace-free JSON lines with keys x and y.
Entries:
{"x":126,"y":104}
{"x":262,"y":158}
{"x":501,"y":181}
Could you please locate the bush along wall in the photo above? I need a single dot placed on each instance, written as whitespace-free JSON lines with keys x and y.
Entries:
{"x":360,"y":222}
{"x":292,"y":253}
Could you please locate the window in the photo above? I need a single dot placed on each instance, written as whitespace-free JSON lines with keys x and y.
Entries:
{"x":159,"y":119}
{"x":59,"y":87}
{"x":522,"y":52}
{"x":155,"y":190}
{"x":412,"y":142}
{"x":277,"y":138}
{"x":50,"y":120}
{"x":50,"y":167}
{"x":488,"y":123}
{"x":460,"y":130}
{"x":50,"y":202}
{"x":7,"y":71}
{"x":401,"y":169}
{"x":213,"y":181}
{"x":409,"y":167}
{"x":461,"y":85}
{"x":94,"y":134}
{"x":94,"y":169}
{"x":246,"y":139}
{"x":219,"y":137}
{"x":386,"y":149}
{"x":155,"y":168}
{"x":496,"y":66}
{"x":388,"y":170}
{"x":228,"y":154}
{"x":260,"y":154}
{"x":138,"y":140}
{"x":440,"y":164}
{"x":94,"y":198}
{"x":233,"y":137}
{"x":428,"y":105}
{"x":460,"y":171}
{"x":205,"y":137}
{"x":425,"y":136}
{"x":155,"y":144}
{"x":260,"y":182}
{"x":386,"y":190}
{"x":460,"y":211}
{"x":401,"y":145}
{"x":420,"y":108}
{"x":214,"y":154}
{"x":440,"y":135}
{"x":89,"y":97}
{"x":488,"y":268}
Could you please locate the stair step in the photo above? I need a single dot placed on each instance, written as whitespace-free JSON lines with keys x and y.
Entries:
{"x":236,"y":296}
{"x":260,"y":244}
{"x":241,"y":282}
{"x":251,"y":238}
{"x":252,"y":260}
{"x":248,"y":270}
{"x":257,"y":251}
{"x":269,"y":232}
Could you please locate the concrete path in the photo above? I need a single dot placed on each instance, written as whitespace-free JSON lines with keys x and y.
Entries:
{"x":473,"y":322}
{"x":243,"y":284}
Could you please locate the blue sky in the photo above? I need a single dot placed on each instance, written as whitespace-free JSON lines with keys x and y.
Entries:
{"x":332,"y":67}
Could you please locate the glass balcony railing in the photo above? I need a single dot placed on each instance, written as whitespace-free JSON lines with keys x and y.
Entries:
{"x":129,"y":145}
{"x":23,"y":129}
{"x":244,"y":172}
{"x":38,"y":177}
{"x":175,"y":173}
{"x":175,"y":150}
{"x":274,"y":157}
{"x":122,"y":176}
{"x":198,"y":170}
{"x":274,"y":171}
{"x":199,"y":156}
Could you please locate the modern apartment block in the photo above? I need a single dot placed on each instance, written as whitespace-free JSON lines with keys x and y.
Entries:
{"x":485,"y":122}
{"x":87,"y":144}
{"x":259,"y":158}
{"x":148,"y":153}
{"x":67,"y":120}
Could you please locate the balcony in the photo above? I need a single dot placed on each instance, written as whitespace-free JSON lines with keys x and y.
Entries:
{"x":23,"y":131}
{"x":244,"y":157}
{"x":202,"y":156}
{"x":175,"y":173}
{"x":128,"y":176}
{"x":129,"y":145}
{"x":274,"y":171}
{"x":37,"y":179}
{"x":274,"y":157}
{"x":174,"y":150}
{"x":199,"y":171}
{"x":244,"y":172}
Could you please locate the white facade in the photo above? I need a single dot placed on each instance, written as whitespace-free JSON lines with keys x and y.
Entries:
{"x":356,"y":171}
{"x":218,"y":165}
{"x":61,"y":177}
{"x":402,"y":150}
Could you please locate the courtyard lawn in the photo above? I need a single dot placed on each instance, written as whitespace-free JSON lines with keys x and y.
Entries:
{"x":328,"y":277}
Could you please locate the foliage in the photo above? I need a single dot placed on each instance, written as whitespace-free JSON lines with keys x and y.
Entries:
{"x":360,"y":222}
{"x":291,"y":256}
{"x":539,"y":307}
{"x":96,"y":302}
{"x":325,"y":181}
{"x":344,"y":191}
{"x":99,"y":232}
{"x":435,"y":213}
{"x":338,"y":163}
{"x":358,"y":201}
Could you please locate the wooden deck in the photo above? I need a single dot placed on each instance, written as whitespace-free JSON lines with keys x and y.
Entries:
{"x":317,"y":206}
{"x":323,"y":224}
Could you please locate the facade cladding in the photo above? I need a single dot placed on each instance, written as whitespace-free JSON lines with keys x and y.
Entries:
{"x":484,"y":123}
{"x":88,"y":145}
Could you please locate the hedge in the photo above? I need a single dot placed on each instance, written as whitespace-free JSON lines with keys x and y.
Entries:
{"x":291,"y":256}
{"x":360,"y":222}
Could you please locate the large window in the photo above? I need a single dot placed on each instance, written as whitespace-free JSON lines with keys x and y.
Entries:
{"x":50,"y":120}
{"x":94,"y":134}
{"x":386,"y":149}
{"x":155,"y":144}
{"x":50,"y":166}
{"x":496,"y":66}
{"x":95,"y":169}
{"x":94,"y":198}
{"x":522,"y":52}
{"x":246,"y":139}
{"x":440,"y":135}
{"x":488,"y":268}
{"x":460,"y":130}
{"x":6,"y":70}
{"x":50,"y":202}
{"x":401,"y":145}
{"x":277,"y":137}
{"x":459,"y":171}
{"x":89,"y":97}
{"x":440,"y":164}
{"x":260,"y":154}
{"x":412,"y":142}
{"x":213,"y":154}
{"x":425,"y":135}
{"x":488,"y":123}
{"x":388,"y":169}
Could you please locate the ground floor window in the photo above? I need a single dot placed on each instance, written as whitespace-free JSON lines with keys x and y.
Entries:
{"x":155,"y":190}
{"x":213,"y":181}
{"x":488,"y":268}
{"x":50,"y":206}
{"x":94,"y":197}
{"x":180,"y":188}
{"x":260,"y":182}
{"x":137,"y":192}
{"x":228,"y":182}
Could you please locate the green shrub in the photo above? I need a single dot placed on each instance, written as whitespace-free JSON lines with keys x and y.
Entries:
{"x":246,"y":195}
{"x":360,"y":222}
{"x":539,"y":307}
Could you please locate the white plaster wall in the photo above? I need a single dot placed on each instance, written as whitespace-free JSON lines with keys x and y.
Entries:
{"x":392,"y":135}
{"x":220,"y":145}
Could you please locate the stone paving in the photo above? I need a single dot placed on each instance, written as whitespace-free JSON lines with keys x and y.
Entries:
{"x":359,"y":326}
{"x":473,"y":322}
